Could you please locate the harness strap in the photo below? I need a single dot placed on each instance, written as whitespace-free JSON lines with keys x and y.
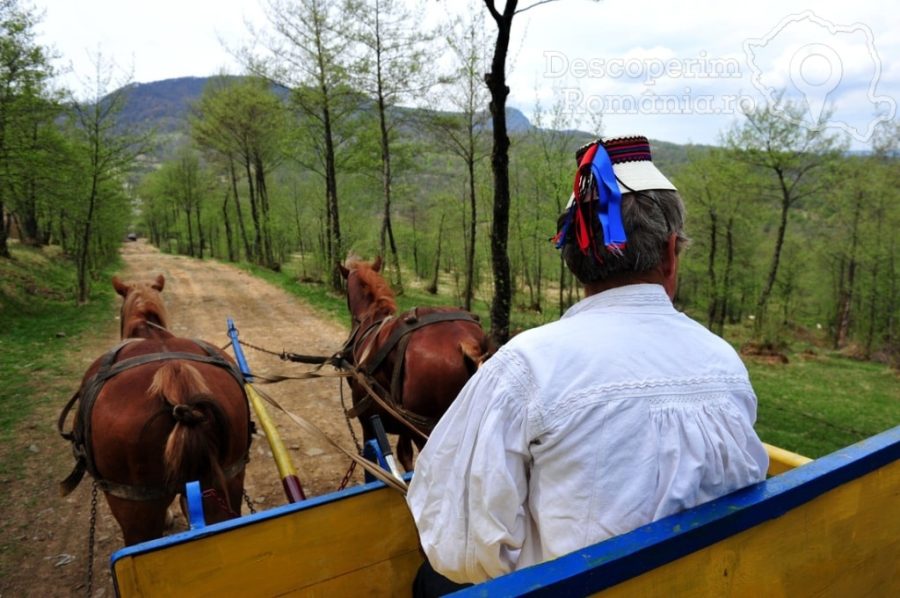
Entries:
{"x":79,"y":431}
{"x":130,"y":492}
{"x":409,"y":322}
{"x":399,"y":339}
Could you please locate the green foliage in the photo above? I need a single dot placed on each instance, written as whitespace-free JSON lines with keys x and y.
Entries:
{"x":27,"y":111}
{"x":240,"y":124}
{"x":792,"y":160}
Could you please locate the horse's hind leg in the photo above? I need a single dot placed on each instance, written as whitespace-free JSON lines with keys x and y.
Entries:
{"x":140,"y":520}
{"x":405,"y":451}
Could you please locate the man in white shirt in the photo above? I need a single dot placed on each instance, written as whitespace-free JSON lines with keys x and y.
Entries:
{"x":622,"y":412}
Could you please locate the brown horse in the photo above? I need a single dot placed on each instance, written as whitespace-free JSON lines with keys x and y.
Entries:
{"x":420,"y":359}
{"x":159,"y":411}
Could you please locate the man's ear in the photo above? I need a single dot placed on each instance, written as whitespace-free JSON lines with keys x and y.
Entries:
{"x":669,"y":265}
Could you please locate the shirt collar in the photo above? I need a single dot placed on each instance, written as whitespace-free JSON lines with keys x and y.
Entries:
{"x":651,"y":297}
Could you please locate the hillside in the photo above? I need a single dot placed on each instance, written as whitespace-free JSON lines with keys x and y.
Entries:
{"x":164,"y":106}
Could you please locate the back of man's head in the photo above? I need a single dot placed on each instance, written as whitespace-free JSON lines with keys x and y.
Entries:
{"x":632,"y":200}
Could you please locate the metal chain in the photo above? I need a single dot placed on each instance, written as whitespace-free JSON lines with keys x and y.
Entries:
{"x":215,"y":495}
{"x":261,"y":349}
{"x":90,"y":555}
{"x":249,"y":502}
{"x":347,"y":475}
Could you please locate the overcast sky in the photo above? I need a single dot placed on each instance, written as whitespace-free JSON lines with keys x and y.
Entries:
{"x":677,"y":71}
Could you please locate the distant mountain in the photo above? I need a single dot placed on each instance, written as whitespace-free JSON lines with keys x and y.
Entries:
{"x":164,"y":106}
{"x":516,"y":122}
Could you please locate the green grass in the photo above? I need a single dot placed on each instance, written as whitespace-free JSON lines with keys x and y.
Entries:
{"x":334,"y":305}
{"x":318,"y":296}
{"x":39,"y":325}
{"x":817,"y":404}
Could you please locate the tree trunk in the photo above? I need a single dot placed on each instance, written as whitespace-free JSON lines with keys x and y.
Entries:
{"x":890,"y":307}
{"x":262,"y":193}
{"x":387,"y":231}
{"x":190,"y":230}
{"x":713,"y":307}
{"x":873,"y":313}
{"x":473,"y":210}
{"x":726,"y":278}
{"x":415,"y":244}
{"x":229,"y":236}
{"x":237,"y":209}
{"x":27,"y":217}
{"x":433,"y":287}
{"x":331,"y":195}
{"x":4,"y":233}
{"x":200,"y":240}
{"x":83,"y":250}
{"x":258,"y":257}
{"x":496,"y":82}
{"x":845,"y":299}
{"x":776,"y":256}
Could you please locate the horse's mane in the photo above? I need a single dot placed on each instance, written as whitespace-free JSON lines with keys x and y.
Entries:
{"x":144,"y":305}
{"x":382,"y":294}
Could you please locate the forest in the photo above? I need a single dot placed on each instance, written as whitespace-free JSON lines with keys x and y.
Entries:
{"x":341,"y":137}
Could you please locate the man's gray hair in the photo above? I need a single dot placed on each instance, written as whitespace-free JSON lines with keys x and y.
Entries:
{"x":649,"y":217}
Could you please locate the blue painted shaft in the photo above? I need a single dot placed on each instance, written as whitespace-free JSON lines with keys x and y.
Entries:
{"x":238,"y":351}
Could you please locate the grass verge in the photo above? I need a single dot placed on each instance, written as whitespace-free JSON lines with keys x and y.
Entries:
{"x":817,"y":404}
{"x":39,"y":326}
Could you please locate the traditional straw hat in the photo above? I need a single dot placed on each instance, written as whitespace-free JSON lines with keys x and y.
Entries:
{"x":607,"y":169}
{"x":632,"y":163}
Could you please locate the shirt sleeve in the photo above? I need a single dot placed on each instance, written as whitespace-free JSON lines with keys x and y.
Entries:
{"x":468,"y":494}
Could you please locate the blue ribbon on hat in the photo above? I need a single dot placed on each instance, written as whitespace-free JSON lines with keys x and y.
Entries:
{"x":609,"y":212}
{"x":610,"y":199}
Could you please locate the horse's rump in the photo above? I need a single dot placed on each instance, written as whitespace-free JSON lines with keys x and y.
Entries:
{"x":190,"y":415}
{"x":200,"y":436}
{"x":426,"y":370}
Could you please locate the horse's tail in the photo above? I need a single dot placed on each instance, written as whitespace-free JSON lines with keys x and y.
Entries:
{"x":475,"y":352}
{"x":200,"y":436}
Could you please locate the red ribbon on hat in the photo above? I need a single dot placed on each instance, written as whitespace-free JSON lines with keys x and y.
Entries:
{"x":583,"y":227}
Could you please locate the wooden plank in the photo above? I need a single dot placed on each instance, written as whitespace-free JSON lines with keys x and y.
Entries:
{"x":844,"y":543}
{"x":366,"y":541}
{"x":781,"y":460}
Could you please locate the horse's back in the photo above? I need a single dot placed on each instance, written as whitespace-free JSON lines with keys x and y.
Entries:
{"x":439,"y":360}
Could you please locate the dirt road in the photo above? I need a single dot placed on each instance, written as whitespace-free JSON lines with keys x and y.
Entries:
{"x":50,"y":533}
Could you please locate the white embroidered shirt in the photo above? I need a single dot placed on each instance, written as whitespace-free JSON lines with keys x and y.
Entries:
{"x":620,"y":413}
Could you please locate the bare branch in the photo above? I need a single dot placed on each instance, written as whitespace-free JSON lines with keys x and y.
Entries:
{"x":530,"y":6}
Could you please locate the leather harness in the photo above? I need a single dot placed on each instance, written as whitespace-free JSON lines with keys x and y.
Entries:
{"x":403,"y":327}
{"x":86,"y":396}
